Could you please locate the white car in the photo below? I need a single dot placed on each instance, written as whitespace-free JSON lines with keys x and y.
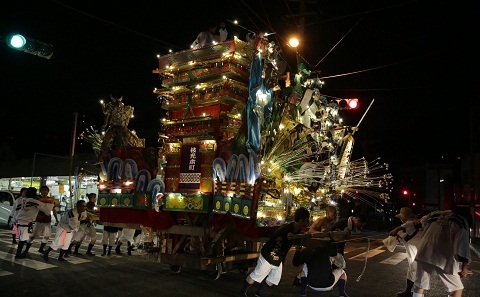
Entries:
{"x":6,"y":201}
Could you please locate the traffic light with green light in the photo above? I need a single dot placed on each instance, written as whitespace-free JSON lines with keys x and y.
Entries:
{"x":30,"y":45}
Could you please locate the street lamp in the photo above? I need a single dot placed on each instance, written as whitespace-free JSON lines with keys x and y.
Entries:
{"x":293,"y":42}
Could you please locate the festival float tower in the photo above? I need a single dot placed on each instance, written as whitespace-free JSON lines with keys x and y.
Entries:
{"x":260,"y":146}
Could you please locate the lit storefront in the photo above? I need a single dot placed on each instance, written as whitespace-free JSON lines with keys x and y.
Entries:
{"x":52,"y":171}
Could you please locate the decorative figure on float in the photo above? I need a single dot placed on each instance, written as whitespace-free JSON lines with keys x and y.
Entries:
{"x":117,"y":117}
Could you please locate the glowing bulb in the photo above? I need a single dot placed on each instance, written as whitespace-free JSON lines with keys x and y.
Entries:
{"x":294,"y":42}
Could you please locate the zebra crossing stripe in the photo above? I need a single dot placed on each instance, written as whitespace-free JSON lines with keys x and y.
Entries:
{"x":369,"y":254}
{"x":7,"y":241}
{"x":4,"y":273}
{"x":349,"y":249}
{"x":30,"y":263}
{"x":75,"y":260}
{"x":395,"y":259}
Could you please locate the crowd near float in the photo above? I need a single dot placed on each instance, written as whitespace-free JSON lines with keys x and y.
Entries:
{"x":243,"y":145}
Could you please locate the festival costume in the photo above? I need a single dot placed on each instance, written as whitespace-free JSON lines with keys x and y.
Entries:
{"x":442,"y":249}
{"x":341,"y":225}
{"x":43,"y":225}
{"x":322,"y":224}
{"x":87,"y":229}
{"x":410,"y":238}
{"x":69,"y":223}
{"x":12,"y":224}
{"x":26,"y":211}
{"x":270,"y":262}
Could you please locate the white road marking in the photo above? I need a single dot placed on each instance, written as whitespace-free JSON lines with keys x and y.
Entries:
{"x":30,"y":263}
{"x":5,"y":273}
{"x":395,"y":259}
{"x":369,"y":254}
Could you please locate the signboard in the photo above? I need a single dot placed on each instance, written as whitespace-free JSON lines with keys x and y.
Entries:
{"x":186,"y":202}
{"x":190,"y":168}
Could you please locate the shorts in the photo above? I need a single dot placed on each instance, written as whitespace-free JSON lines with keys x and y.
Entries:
{"x":425,"y":270}
{"x":79,"y":235}
{"x":42,"y":228}
{"x":62,"y":239}
{"x":265,"y":269}
{"x":23,"y":234}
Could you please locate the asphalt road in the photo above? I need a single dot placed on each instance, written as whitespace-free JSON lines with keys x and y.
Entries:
{"x":383,"y":274}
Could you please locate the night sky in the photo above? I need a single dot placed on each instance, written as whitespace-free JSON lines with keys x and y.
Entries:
{"x":415,"y":58}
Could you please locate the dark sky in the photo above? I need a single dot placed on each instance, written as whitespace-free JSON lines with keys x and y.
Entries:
{"x":415,"y":58}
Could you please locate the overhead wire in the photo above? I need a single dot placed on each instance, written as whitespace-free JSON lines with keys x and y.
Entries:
{"x":290,"y":11}
{"x":117,"y":25}
{"x":363,"y":13}
{"x":343,"y":37}
{"x":359,"y":13}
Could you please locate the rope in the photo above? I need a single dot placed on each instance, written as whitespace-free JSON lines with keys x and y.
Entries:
{"x":325,"y":234}
{"x":368,"y":249}
{"x":364,"y":237}
{"x":366,"y":258}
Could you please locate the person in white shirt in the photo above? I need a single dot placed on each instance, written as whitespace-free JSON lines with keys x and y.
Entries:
{"x":63,"y":206}
{"x":444,"y":250}
{"x":23,"y":193}
{"x":69,"y":223}
{"x":25,"y":213}
{"x":410,"y":238}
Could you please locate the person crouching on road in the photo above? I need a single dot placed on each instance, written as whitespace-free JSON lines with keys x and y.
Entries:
{"x":317,"y":272}
{"x":69,"y":223}
{"x":268,"y":271}
{"x":87,"y":228}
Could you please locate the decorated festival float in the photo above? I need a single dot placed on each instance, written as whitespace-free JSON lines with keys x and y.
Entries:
{"x":242,"y":148}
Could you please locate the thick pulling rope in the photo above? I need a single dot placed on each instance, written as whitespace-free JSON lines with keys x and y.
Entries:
{"x":336,"y":233}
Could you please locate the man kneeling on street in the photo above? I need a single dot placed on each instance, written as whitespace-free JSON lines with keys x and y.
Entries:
{"x":317,"y":272}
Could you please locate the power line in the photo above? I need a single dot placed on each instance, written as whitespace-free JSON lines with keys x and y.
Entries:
{"x":362,"y":12}
{"x":118,"y":26}
{"x":358,"y":22}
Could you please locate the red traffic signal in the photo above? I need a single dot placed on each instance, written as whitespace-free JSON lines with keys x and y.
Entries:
{"x":405,"y":192}
{"x":352,"y":103}
{"x":347,"y":103}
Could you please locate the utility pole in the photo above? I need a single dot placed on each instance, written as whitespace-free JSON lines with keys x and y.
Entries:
{"x":473,"y":178}
{"x":72,"y":153}
{"x":301,"y":23}
{"x":33,"y":168}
